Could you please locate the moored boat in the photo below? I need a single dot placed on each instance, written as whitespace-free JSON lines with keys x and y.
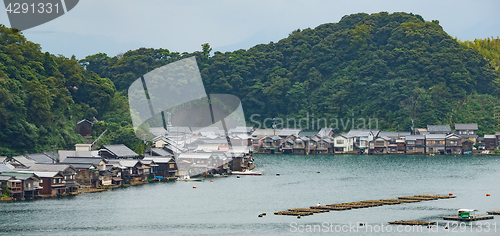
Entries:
{"x":188,"y":178}
{"x":250,"y":172}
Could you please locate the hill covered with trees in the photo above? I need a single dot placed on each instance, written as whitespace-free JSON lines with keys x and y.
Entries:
{"x":393,"y":67}
{"x":43,"y":96}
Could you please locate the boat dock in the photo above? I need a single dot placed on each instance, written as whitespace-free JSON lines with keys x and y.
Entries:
{"x":493,"y":212}
{"x":471,"y":218}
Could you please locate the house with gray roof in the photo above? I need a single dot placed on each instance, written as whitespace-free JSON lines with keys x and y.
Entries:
{"x":42,"y":158}
{"x":415,"y":144}
{"x":467,"y":131}
{"x":67,"y":171}
{"x":438,"y":129}
{"x":117,"y":151}
{"x":20,"y":162}
{"x":490,"y":141}
{"x":435,"y":143}
{"x":23,"y":185}
{"x":6,"y":167}
{"x":324,"y":132}
{"x":343,"y":143}
{"x":453,"y":144}
{"x":285,"y":133}
{"x":362,"y":138}
{"x":242,"y":130}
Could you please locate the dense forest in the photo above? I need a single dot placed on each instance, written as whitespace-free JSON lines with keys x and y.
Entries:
{"x":393,"y":67}
{"x":43,"y":96}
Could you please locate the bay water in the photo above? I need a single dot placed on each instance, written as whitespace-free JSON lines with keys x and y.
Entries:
{"x":231,"y":205}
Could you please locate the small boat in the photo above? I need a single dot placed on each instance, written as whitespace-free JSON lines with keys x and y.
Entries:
{"x":249,"y":172}
{"x":219,"y":175}
{"x":188,"y":178}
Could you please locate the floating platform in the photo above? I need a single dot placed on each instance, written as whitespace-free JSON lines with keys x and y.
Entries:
{"x":436,"y":196}
{"x":471,"y":218}
{"x":410,"y":222}
{"x":391,"y":201}
{"x":493,"y":212}
{"x":332,"y":208}
{"x":361,"y":204}
{"x":293,"y":213}
{"x":309,"y":210}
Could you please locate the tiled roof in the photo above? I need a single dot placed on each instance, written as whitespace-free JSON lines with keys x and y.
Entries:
{"x":490,"y":136}
{"x":160,"y":152}
{"x":466,"y":127}
{"x":414,"y":137}
{"x":265,"y":132}
{"x":435,"y":136}
{"x":24,"y":161}
{"x":288,"y":132}
{"x":6,"y":167}
{"x":324,"y":132}
{"x":120,"y":150}
{"x":438,"y":128}
{"x":40,"y":158}
{"x":49,"y":167}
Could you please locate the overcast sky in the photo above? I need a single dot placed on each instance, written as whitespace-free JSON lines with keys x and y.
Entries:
{"x":116,"y":26}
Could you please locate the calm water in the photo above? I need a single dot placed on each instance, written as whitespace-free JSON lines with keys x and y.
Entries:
{"x":231,"y":205}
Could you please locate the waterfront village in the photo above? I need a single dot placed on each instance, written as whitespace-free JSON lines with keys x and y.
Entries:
{"x":209,"y":151}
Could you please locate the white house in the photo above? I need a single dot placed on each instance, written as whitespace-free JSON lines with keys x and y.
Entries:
{"x":343,"y":143}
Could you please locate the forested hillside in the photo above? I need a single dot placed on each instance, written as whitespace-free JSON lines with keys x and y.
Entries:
{"x":393,"y":67}
{"x":43,"y":96}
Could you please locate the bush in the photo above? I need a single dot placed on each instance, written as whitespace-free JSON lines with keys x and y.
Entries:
{"x":6,"y":191}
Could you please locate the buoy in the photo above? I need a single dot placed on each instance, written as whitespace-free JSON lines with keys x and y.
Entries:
{"x":451,"y":194}
{"x":211,"y":180}
{"x":194,"y":186}
{"x":487,"y":194}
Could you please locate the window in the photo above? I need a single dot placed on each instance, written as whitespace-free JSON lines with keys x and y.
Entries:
{"x":410,"y":142}
{"x":171,"y":166}
{"x":340,"y":141}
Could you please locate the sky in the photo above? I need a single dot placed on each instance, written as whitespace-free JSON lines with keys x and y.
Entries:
{"x":117,"y":26}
